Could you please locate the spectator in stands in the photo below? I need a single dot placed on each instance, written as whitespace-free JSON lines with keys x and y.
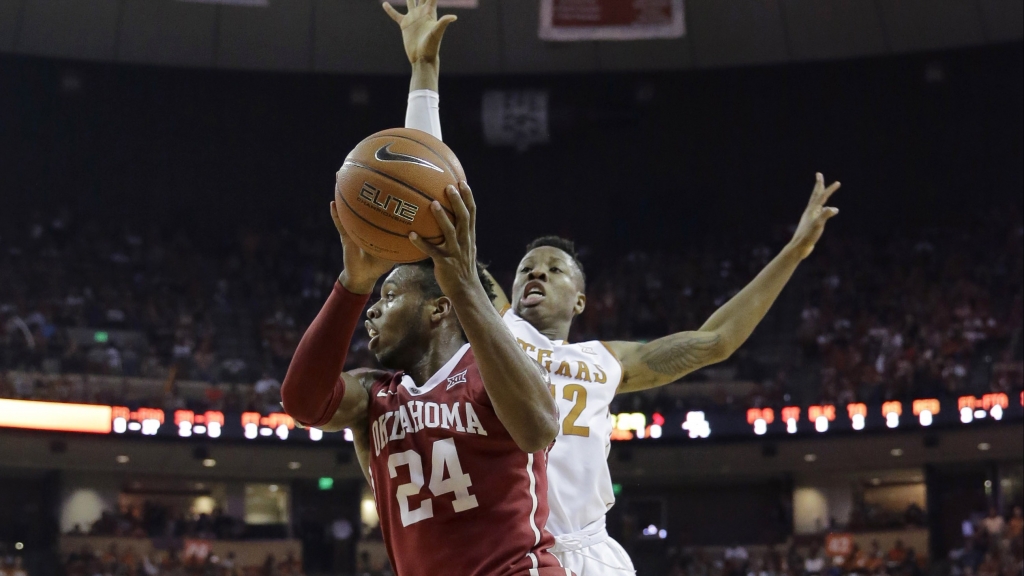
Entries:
{"x":1015,"y":527}
{"x":897,"y":555}
{"x":989,"y":566}
{"x":815,"y":563}
{"x":994,"y":524}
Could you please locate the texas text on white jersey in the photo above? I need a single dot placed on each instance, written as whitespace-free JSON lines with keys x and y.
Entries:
{"x":584,"y":378}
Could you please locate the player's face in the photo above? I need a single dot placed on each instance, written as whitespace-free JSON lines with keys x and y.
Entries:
{"x":398,"y":323}
{"x":548,"y":286}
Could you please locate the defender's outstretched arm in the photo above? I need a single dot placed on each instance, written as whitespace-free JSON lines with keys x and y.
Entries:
{"x":422,"y":32}
{"x":667,"y":359}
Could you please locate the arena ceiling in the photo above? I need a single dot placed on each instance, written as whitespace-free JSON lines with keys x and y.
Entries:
{"x":497,"y":37}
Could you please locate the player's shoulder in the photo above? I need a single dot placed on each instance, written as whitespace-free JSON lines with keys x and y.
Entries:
{"x":368,"y":377}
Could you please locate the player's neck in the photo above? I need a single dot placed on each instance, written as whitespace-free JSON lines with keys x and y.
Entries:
{"x":558,"y":331}
{"x":438,"y":353}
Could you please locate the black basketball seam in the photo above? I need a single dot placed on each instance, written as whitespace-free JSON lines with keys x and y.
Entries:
{"x":393,"y":179}
{"x":439,"y":156}
{"x":385,"y":230}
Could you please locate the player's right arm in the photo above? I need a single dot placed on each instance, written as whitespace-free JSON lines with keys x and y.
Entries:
{"x":315,"y":391}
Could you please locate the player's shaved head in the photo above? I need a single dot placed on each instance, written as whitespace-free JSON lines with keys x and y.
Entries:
{"x":565,"y":245}
{"x":428,"y":285}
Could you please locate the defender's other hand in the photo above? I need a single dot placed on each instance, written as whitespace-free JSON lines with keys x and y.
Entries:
{"x":362,"y":270}
{"x":455,"y":258}
{"x":421,"y":30}
{"x":812,"y":223}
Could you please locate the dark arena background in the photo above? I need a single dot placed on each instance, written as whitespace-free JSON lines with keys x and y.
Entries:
{"x":165,"y":173}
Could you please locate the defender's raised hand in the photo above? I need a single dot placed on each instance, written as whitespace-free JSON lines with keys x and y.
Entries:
{"x":812,"y":222}
{"x":421,"y":29}
{"x":362,"y":270}
{"x":455,"y":258}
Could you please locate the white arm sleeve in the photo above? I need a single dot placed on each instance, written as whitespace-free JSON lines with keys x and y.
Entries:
{"x":422,"y":113}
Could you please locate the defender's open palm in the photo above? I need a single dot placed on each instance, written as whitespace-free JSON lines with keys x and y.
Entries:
{"x":421,"y":30}
{"x":812,"y":223}
{"x":455,"y":258}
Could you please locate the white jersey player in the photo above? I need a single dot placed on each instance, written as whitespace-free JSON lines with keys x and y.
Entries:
{"x":584,"y":378}
{"x":550,"y":291}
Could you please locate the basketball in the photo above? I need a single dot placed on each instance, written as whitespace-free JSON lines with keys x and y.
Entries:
{"x":385,"y":187}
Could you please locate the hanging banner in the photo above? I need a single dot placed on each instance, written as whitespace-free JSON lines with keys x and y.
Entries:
{"x":569,"y":20}
{"x":252,"y":3}
{"x":515,"y":118}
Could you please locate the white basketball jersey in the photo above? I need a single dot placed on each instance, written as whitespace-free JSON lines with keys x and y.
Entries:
{"x":584,"y":378}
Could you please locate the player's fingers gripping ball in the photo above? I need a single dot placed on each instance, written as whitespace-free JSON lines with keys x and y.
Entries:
{"x":385,"y":187}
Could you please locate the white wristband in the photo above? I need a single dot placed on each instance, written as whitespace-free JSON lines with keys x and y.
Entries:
{"x":422,"y":112}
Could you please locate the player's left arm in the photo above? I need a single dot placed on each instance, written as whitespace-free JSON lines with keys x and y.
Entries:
{"x":516,"y":385}
{"x":422,"y":32}
{"x":667,"y":359}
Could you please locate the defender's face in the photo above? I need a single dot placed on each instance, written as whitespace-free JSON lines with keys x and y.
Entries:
{"x":396,"y":321}
{"x":548,"y":285}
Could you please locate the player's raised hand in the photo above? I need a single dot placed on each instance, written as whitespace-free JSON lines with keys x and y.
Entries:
{"x":455,"y":258}
{"x":361,"y":269}
{"x":421,"y":29}
{"x":812,"y":223}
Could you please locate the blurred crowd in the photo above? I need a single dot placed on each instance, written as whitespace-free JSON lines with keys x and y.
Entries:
{"x":152,"y":520}
{"x":931,"y":314}
{"x":126,"y":562}
{"x":811,"y":560}
{"x":992,"y":546}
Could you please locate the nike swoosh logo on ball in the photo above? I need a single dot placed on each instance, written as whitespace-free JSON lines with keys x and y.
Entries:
{"x":385,"y":155}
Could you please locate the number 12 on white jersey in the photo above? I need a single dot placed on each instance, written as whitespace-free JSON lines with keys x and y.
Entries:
{"x":443,"y":455}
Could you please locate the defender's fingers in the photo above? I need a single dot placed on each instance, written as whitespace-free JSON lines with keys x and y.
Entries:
{"x":829,"y":191}
{"x":410,"y":4}
{"x":424,"y":246}
{"x":438,"y":31}
{"x":829,"y":212}
{"x":395,"y":15}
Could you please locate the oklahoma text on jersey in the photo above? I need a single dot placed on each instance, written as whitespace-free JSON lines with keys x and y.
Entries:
{"x":455,"y":494}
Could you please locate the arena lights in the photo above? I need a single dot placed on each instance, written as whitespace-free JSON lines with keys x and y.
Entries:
{"x":144,"y":420}
{"x":628,"y":425}
{"x":892,"y":411}
{"x":858,"y":411}
{"x":277,"y":423}
{"x":791,"y":415}
{"x":697,"y":425}
{"x":316,"y":434}
{"x":925,"y":410}
{"x":55,"y":416}
{"x":821,"y":416}
{"x":972,"y":408}
{"x":210,"y":423}
{"x":760,"y":418}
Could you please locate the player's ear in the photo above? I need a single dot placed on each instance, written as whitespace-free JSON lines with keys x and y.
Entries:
{"x":442,"y":308}
{"x":581,"y":304}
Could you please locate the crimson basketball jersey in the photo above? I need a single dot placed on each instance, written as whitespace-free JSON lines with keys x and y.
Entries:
{"x":455,"y":494}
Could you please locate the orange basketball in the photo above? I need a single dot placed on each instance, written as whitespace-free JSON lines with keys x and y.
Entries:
{"x":385,"y":187}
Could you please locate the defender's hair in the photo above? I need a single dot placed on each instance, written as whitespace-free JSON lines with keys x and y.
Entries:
{"x":563,"y":244}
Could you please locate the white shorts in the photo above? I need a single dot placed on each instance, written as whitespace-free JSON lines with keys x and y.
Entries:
{"x":595,"y":555}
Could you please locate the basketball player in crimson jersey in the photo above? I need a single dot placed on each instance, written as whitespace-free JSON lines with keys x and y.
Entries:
{"x":453,"y":442}
{"x":549,"y":292}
